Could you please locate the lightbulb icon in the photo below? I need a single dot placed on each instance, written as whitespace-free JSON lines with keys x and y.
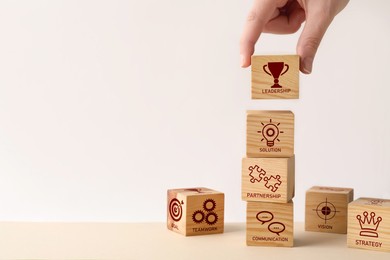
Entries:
{"x":270,"y":133}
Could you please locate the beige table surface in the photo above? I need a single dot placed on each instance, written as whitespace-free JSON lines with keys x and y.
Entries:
{"x":153,"y":241}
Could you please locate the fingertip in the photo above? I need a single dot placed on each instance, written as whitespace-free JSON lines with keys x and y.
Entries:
{"x":306,"y":66}
{"x":245,"y":61}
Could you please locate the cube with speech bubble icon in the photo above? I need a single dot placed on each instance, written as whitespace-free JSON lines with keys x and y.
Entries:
{"x":270,"y":224}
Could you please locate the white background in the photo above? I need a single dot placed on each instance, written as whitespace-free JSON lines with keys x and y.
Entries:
{"x":104,"y":105}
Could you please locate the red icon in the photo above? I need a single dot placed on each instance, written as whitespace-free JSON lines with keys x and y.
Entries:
{"x":326,"y":210}
{"x":198,"y":216}
{"x":276,"y":69}
{"x":264,"y":216}
{"x":274,"y":227}
{"x":257,"y":174}
{"x":175,"y":209}
{"x":270,"y":133}
{"x":376,"y":202}
{"x":272,"y":183}
{"x":208,"y":215}
{"x":368,"y":224}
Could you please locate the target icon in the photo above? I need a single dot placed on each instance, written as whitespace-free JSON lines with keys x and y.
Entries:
{"x":175,"y":209}
{"x":326,"y":210}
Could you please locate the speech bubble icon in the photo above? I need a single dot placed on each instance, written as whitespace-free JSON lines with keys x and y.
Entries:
{"x":276,"y":227}
{"x":264,"y":217}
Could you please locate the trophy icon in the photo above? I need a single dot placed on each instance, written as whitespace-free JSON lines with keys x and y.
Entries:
{"x":276,"y":69}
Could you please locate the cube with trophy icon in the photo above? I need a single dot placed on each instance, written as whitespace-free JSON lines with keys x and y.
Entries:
{"x":270,"y":133}
{"x":275,"y":77}
{"x":369,"y":224}
{"x":195,"y":211}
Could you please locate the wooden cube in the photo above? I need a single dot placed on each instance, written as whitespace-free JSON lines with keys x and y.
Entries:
{"x":369,"y":224}
{"x":195,"y":211}
{"x":327,"y":209}
{"x":268,"y":179}
{"x":275,"y":77}
{"x":270,"y":224}
{"x":270,"y":134}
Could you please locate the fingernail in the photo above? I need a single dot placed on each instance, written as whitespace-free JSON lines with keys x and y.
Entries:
{"x":242,"y":60}
{"x":307,"y":65}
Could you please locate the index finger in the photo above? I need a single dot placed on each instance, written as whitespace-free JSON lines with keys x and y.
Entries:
{"x":262,"y":11}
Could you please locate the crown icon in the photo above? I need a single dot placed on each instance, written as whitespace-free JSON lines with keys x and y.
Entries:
{"x":368,"y":224}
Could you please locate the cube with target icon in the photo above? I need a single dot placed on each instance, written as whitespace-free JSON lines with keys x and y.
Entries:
{"x":369,"y":224}
{"x":270,"y":133}
{"x":195,"y":211}
{"x":268,"y":179}
{"x":326,"y":209}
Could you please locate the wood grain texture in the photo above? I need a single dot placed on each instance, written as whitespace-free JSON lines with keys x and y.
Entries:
{"x":326,"y":209}
{"x":268,"y":179}
{"x":195,"y":211}
{"x":270,"y":224}
{"x":369,"y":232}
{"x":263,"y":84}
{"x":270,"y":133}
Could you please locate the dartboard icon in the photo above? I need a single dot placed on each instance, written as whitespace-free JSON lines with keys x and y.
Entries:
{"x":326,"y":210}
{"x":175,"y":209}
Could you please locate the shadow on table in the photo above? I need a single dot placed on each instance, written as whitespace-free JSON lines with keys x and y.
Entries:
{"x":317,"y":238}
{"x":231,"y":228}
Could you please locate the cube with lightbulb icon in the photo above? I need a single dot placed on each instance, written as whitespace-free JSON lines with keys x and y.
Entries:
{"x":270,"y":134}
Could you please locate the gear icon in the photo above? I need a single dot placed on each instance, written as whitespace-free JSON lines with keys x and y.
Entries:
{"x":209,"y":205}
{"x":211,"y":218}
{"x":198,"y":216}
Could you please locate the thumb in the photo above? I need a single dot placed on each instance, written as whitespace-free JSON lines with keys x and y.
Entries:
{"x":310,"y":40}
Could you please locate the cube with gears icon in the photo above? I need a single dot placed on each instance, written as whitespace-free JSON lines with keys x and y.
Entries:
{"x":275,"y":76}
{"x":327,"y":209}
{"x":369,"y":224}
{"x":268,"y":179}
{"x":270,"y":133}
{"x":270,"y":224}
{"x":195,"y":211}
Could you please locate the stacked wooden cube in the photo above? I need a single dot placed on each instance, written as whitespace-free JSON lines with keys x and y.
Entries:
{"x":268,"y":171}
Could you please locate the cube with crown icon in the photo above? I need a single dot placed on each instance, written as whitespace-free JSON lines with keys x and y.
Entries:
{"x":369,"y":224}
{"x":195,"y":211}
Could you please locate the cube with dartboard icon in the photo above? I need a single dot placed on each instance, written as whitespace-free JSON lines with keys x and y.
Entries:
{"x":195,"y":211}
{"x":327,"y":209}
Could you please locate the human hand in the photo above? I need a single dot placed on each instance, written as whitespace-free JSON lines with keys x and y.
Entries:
{"x":285,"y":17}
